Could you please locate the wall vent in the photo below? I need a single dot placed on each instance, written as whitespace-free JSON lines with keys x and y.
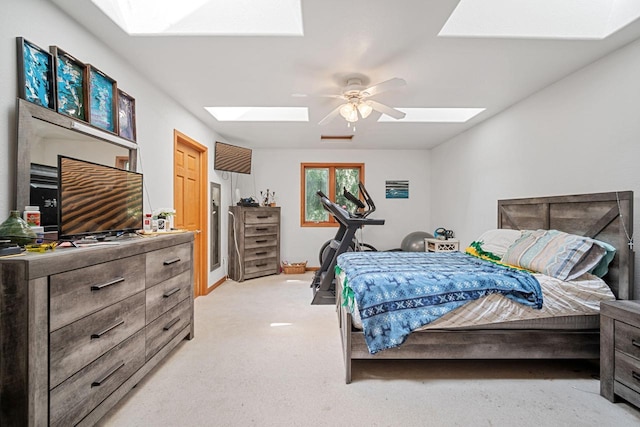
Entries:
{"x":336,"y":138}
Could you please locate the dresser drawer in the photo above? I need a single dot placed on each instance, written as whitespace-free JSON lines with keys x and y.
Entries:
{"x":627,"y":339}
{"x":261,"y":230}
{"x":80,"y":343}
{"x":165,"y":295}
{"x":165,"y":263}
{"x":76,"y":397}
{"x":167,"y":326}
{"x":627,"y":371}
{"x":260,"y":241}
{"x":260,"y":267}
{"x":77,"y":293}
{"x":260,"y":253}
{"x":259,"y":216}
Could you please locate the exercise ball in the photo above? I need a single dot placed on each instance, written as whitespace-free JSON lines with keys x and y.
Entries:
{"x":414,"y":242}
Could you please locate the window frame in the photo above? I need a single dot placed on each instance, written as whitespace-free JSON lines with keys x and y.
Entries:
{"x":332,"y":166}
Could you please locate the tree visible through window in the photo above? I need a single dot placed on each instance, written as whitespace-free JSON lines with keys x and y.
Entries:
{"x":331,"y":179}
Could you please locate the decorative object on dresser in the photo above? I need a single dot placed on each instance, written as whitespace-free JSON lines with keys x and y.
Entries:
{"x":80,"y":327}
{"x":439,"y":245}
{"x":620,"y":351}
{"x":254,"y":242}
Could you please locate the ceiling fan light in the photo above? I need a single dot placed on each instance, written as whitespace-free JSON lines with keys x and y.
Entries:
{"x":365,"y":109}
{"x":349,"y":112}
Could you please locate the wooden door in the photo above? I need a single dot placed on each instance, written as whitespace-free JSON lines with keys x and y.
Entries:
{"x":190,"y":201}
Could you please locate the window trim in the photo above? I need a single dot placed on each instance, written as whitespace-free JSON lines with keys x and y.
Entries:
{"x":332,"y":166}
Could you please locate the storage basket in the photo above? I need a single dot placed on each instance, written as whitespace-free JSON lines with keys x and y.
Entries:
{"x":294,"y":268}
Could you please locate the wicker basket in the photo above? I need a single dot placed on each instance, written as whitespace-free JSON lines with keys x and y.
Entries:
{"x":294,"y":268}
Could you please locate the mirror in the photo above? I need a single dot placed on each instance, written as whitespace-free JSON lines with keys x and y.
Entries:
{"x":42,"y":135}
{"x":215,"y":226}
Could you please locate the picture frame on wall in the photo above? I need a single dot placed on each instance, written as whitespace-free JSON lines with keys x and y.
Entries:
{"x":36,"y":81}
{"x":126,"y":116}
{"x":102,"y":100}
{"x":71,"y":86}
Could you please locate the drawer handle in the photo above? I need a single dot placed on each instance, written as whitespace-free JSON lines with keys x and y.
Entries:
{"x":171,"y":261}
{"x":261,"y":265}
{"x":264,"y":216}
{"x":262,"y":229}
{"x":261,"y":253}
{"x":170,"y":324}
{"x":106,"y":376}
{"x":261,"y":241}
{"x":104,"y":285}
{"x":635,"y":343}
{"x":115,"y":325}
{"x":635,"y":375}
{"x":171,"y":292}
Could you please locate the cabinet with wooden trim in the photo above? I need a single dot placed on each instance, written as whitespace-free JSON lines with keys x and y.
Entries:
{"x":80,"y":327}
{"x":254,"y":242}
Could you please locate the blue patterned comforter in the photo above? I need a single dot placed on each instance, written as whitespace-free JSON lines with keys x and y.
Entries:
{"x":398,"y":292}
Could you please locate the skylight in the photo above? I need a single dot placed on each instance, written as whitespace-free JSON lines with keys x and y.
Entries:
{"x":205,"y":17}
{"x":555,"y":19}
{"x":434,"y":115}
{"x":259,"y":114}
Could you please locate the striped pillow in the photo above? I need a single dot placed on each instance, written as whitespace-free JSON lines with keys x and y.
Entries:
{"x":554,"y":253}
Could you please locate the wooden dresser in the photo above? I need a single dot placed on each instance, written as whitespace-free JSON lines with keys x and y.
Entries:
{"x":620,"y":351}
{"x":256,"y":232}
{"x":79,"y":327}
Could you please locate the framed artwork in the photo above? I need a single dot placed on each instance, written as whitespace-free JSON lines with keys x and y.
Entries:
{"x":397,"y":189}
{"x":71,"y":87}
{"x":102,"y":100}
{"x":126,"y":116}
{"x":35,"y":74}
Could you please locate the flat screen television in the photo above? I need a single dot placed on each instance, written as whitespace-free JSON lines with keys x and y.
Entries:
{"x":232,"y":158}
{"x":95,"y":199}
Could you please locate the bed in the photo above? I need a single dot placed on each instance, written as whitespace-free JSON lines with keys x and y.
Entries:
{"x":606,"y":217}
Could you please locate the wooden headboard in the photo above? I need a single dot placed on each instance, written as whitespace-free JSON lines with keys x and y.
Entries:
{"x":603,"y":216}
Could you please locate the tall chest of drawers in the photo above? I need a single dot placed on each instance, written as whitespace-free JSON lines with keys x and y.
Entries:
{"x":254,"y":242}
{"x":80,"y":327}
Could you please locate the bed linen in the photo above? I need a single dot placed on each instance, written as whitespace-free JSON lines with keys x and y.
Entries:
{"x":571,"y":304}
{"x":398,"y":292}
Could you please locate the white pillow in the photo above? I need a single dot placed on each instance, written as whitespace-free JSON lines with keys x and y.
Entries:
{"x":498,"y":241}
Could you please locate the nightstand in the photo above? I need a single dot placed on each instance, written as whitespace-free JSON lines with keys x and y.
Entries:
{"x":437,"y":245}
{"x":620,"y":351}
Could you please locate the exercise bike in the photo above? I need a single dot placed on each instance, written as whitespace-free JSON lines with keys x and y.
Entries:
{"x":361,"y":211}
{"x":323,"y":284}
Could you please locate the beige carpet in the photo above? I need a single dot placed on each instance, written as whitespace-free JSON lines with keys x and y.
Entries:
{"x":263,"y":356}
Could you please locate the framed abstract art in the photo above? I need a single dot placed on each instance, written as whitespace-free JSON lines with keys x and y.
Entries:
{"x":35,"y":74}
{"x":102,"y":100}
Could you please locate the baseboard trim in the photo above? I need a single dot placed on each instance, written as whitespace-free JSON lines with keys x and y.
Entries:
{"x":215,"y":285}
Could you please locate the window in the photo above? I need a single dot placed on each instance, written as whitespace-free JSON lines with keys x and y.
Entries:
{"x":330,"y":178}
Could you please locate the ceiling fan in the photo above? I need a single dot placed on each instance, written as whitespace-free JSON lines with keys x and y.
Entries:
{"x":358,"y":103}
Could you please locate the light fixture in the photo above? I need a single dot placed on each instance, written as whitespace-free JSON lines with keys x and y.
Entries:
{"x":351,"y":109}
{"x":365,"y":109}
{"x":349,"y":112}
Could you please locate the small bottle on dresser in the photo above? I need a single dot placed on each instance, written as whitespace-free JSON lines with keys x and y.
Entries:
{"x":31,"y":214}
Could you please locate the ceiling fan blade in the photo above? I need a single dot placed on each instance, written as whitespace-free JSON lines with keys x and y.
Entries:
{"x":331,"y":115}
{"x":304,"y":95}
{"x":384,"y":109}
{"x":393,"y":83}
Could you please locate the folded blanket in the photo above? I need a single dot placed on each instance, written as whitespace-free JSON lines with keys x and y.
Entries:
{"x":398,"y":292}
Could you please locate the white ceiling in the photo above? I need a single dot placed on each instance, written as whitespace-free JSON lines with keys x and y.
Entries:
{"x":379,"y":39}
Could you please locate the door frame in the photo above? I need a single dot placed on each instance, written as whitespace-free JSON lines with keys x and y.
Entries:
{"x":180,"y":138}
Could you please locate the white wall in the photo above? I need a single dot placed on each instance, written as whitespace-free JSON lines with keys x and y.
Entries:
{"x":42,"y":23}
{"x":279,"y":171}
{"x":579,"y":135}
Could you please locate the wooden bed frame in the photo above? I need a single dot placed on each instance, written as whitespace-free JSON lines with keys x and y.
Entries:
{"x":604,"y":216}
